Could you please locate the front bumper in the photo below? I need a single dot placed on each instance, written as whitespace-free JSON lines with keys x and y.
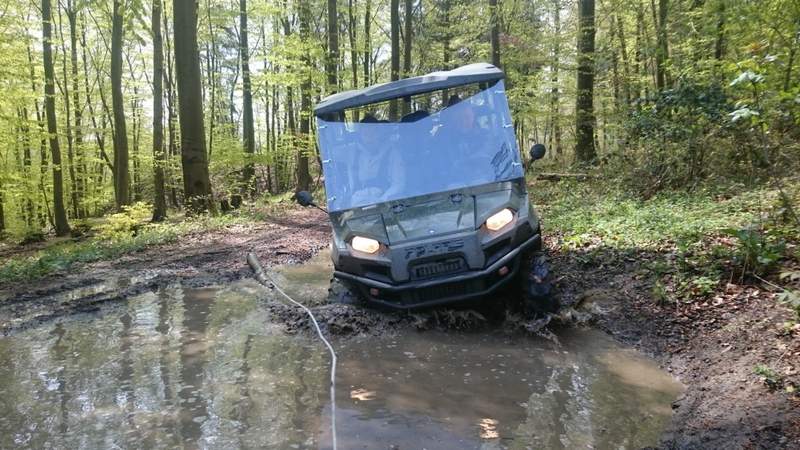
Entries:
{"x":446,"y":289}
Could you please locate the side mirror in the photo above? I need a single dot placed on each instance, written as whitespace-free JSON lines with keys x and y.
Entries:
{"x":304,"y":198}
{"x":538,"y":151}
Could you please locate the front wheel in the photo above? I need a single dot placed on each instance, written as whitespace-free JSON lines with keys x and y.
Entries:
{"x":343,"y":292}
{"x":536,"y":291}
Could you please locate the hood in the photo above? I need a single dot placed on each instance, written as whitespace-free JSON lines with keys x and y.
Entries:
{"x":426,"y":216}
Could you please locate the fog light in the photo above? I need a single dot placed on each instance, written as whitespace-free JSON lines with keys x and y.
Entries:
{"x":503,"y":271}
{"x":374,"y":292}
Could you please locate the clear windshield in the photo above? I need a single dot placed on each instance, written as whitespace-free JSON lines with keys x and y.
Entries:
{"x":418,"y":145}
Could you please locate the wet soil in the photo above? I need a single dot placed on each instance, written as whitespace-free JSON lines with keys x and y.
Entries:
{"x":712,"y":347}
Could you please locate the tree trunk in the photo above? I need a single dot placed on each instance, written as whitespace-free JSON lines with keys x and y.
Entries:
{"x":584,"y":105}
{"x":27,"y":172}
{"x":73,"y":183}
{"x":159,"y":158}
{"x":267,"y":116}
{"x":641,"y":66}
{"x":367,"y":42}
{"x":446,"y":37}
{"x":303,"y":174}
{"x":626,"y":89}
{"x":40,"y":121}
{"x":662,"y":51}
{"x":408,"y":32}
{"x":61,"y":224}
{"x":719,"y":45}
{"x":136,"y":132}
{"x":787,"y":76}
{"x":333,"y":47}
{"x":555,"y":101}
{"x":172,"y":118}
{"x":211,"y":57}
{"x":121,"y":175}
{"x":495,"y":32}
{"x":194,"y":160}
{"x":72,"y":16}
{"x":395,"y":38}
{"x":248,"y":128}
{"x":351,"y":33}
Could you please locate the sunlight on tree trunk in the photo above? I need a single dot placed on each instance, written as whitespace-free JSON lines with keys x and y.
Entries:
{"x":159,"y":158}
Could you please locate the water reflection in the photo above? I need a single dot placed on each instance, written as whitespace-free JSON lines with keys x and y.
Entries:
{"x":205,"y":368}
{"x":456,"y":391}
{"x":195,"y":368}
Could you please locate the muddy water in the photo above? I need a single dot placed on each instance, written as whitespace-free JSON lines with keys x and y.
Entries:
{"x":206,"y":368}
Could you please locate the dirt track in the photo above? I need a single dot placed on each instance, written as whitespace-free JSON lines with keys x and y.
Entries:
{"x":712,"y":348}
{"x":199,"y":259}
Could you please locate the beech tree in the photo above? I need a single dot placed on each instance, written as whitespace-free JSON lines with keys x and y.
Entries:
{"x":584,"y":102}
{"x":248,"y":128}
{"x":332,"y":66}
{"x":59,"y":212}
{"x":194,"y":160}
{"x":159,"y":156}
{"x":121,"y":173}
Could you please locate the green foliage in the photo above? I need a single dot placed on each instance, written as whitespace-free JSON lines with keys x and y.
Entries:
{"x":64,"y":255}
{"x":125,"y":224}
{"x":756,"y":250}
{"x":698,"y":240}
{"x":659,"y":293}
{"x":585,"y":213}
{"x":791,"y":296}
{"x":769,"y":376}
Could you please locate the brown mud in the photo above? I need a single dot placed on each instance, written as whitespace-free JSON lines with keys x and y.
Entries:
{"x":712,"y":347}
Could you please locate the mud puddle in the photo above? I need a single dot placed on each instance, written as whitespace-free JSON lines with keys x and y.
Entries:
{"x":209,"y":368}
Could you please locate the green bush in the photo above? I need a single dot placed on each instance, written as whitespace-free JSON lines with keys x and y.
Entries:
{"x":756,"y":252}
{"x":126,"y":223}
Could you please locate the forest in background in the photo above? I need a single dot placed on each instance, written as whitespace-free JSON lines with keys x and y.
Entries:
{"x":200,"y":106}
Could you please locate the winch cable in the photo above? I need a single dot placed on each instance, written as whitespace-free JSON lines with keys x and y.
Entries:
{"x":268,"y":282}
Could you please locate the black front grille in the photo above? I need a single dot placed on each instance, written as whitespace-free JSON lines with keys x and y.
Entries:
{"x":436,"y":268}
{"x":443,"y":291}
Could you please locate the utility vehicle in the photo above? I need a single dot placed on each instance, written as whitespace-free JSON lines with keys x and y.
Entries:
{"x":426,"y":192}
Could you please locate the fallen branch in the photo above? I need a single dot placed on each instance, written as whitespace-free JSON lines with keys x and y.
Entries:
{"x":560,"y":176}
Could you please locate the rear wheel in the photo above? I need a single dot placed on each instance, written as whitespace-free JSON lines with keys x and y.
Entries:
{"x":535,"y":288}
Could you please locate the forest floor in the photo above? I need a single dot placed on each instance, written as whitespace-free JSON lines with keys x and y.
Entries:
{"x":736,"y":349}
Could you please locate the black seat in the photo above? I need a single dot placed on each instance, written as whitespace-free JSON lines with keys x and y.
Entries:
{"x":414,"y":116}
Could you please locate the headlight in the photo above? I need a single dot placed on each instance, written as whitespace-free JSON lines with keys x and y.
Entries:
{"x":365,"y":245}
{"x":499,"y":220}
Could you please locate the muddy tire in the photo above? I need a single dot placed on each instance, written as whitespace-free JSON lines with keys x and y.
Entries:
{"x":536,"y":290}
{"x":344,"y":293}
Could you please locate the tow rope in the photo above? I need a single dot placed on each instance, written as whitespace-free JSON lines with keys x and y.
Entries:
{"x":268,"y":282}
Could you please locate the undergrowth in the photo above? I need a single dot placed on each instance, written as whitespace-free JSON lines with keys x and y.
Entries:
{"x":692,"y":244}
{"x":121,"y":233}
